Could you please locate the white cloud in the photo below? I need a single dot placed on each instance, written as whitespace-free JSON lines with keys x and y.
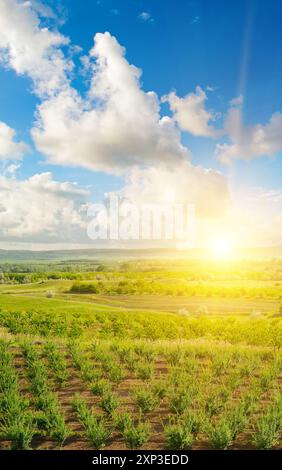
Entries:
{"x":270,"y":195}
{"x":195,"y":20}
{"x":41,"y":9}
{"x":248,"y":142}
{"x":40,"y":207}
{"x":115,"y":11}
{"x":28,"y":48}
{"x":12,"y":169}
{"x":238,"y":101}
{"x":256,"y":216}
{"x":116,"y":127}
{"x":191,"y":115}
{"x":205,"y":188}
{"x":146,"y":17}
{"x":175,"y":188}
{"x":10,"y":149}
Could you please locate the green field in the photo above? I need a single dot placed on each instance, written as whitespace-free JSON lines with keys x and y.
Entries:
{"x":143,"y":353}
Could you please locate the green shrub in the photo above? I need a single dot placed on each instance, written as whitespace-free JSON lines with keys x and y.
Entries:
{"x":179,"y":436}
{"x":109,"y":402}
{"x":179,"y":401}
{"x":59,"y":430}
{"x":20,"y":431}
{"x":220,"y":435}
{"x":268,"y":427}
{"x":95,"y":426}
{"x":144,"y":371}
{"x":145,"y":399}
{"x":100,"y":387}
{"x":122,"y":421}
{"x":57,"y":362}
{"x":137,"y":435}
{"x":97,"y":432}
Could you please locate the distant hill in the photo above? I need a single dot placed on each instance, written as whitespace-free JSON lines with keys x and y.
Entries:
{"x":84,"y":254}
{"x":122,"y":254}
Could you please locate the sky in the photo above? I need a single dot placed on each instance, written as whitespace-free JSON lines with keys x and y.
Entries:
{"x":141,"y":99}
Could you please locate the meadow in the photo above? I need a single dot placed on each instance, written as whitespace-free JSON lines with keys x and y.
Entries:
{"x":149,"y":354}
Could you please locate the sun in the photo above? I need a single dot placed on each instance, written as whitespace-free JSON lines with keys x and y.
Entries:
{"x":222,"y":248}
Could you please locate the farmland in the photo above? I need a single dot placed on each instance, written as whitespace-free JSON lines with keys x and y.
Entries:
{"x":147,"y":354}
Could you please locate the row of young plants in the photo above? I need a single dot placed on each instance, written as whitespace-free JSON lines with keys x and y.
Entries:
{"x":148,"y":326}
{"x":196,"y":391}
{"x":208,"y":396}
{"x":268,"y":426}
{"x":99,"y":428}
{"x":50,"y":418}
{"x":163,"y":285}
{"x":239,"y":414}
{"x":17,"y":423}
{"x":99,"y":371}
{"x":181,"y":429}
{"x":56,"y":362}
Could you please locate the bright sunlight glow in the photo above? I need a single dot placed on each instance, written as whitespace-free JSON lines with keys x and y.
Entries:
{"x":222,"y":248}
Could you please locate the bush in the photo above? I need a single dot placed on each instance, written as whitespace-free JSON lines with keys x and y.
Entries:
{"x":123,"y":421}
{"x":179,"y":402}
{"x":80,"y":288}
{"x":97,"y":432}
{"x":179,"y":436}
{"x":220,"y":435}
{"x":144,"y":371}
{"x":20,"y":431}
{"x":109,"y":402}
{"x":95,"y":426}
{"x":57,"y":362}
{"x":145,"y":399}
{"x":59,"y":430}
{"x":137,"y":435}
{"x":100,"y":387}
{"x":267,"y":429}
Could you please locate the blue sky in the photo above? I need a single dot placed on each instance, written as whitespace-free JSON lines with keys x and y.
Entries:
{"x":228,"y":48}
{"x":192,"y":43}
